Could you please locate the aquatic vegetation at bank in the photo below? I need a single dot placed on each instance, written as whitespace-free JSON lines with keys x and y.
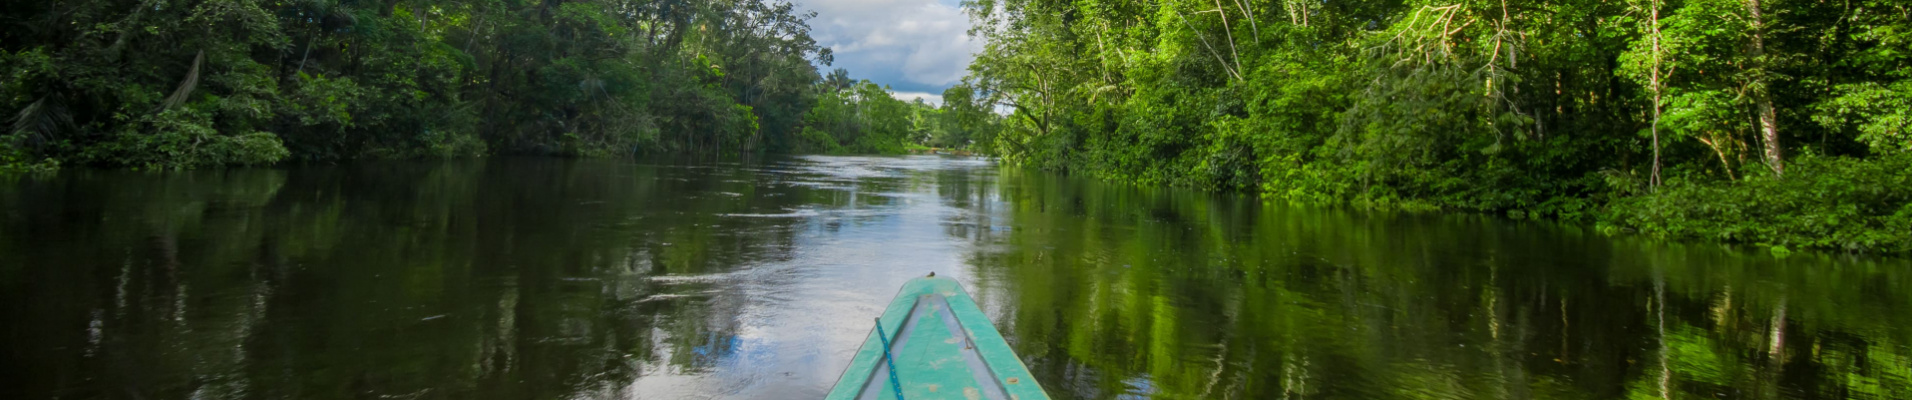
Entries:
{"x":1824,"y":202}
{"x":12,"y":161}
{"x":1519,"y":107}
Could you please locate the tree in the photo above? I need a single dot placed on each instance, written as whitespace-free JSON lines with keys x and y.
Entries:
{"x":1506,"y":106}
{"x":238,"y":81}
{"x":1759,"y":86}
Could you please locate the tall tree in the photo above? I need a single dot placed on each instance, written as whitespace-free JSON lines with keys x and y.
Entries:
{"x":1760,"y":87}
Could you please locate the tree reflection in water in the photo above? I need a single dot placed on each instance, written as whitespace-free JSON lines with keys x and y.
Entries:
{"x":554,"y":279}
{"x":1121,"y":291}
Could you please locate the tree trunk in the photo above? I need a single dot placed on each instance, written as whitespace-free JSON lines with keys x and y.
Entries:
{"x":1658,"y":89}
{"x":1769,"y":130}
{"x":1768,"y":118}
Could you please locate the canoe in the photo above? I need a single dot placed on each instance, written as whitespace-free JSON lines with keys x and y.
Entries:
{"x":941,"y":347}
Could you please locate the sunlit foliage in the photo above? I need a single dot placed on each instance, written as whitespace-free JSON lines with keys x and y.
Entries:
{"x":1517,"y":107}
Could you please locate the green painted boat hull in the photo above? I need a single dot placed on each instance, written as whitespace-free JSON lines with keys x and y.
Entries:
{"x":943,"y":347}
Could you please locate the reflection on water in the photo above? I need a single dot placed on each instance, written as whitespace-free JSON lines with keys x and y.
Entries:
{"x":554,"y":279}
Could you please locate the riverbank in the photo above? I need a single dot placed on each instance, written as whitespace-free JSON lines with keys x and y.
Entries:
{"x":1838,"y":204}
{"x":1827,"y":203}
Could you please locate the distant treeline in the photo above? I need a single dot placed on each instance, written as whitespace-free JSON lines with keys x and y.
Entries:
{"x":185,"y":83}
{"x":861,"y":117}
{"x":1769,"y":121}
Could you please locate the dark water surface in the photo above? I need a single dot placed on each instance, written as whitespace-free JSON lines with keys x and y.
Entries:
{"x":554,"y":279}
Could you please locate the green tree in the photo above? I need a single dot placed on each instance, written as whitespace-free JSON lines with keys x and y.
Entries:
{"x":1516,"y":107}
{"x":177,"y":83}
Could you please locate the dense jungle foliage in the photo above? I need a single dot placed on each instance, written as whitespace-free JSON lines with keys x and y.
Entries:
{"x":1781,"y":122}
{"x":184,"y":83}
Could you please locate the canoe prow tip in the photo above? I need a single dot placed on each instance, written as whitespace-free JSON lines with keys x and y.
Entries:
{"x":931,"y":320}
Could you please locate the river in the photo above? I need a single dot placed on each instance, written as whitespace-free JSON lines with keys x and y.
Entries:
{"x":568,"y":279}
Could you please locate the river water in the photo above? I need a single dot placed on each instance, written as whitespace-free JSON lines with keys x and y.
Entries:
{"x":560,"y":279}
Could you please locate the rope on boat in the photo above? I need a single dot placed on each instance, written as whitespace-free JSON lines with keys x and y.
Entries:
{"x":895,"y":384}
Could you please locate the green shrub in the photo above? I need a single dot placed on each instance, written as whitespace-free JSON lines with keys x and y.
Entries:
{"x":1823,"y":202}
{"x":184,"y":138}
{"x":13,"y":161}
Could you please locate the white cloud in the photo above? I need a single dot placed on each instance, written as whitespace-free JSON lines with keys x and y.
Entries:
{"x":932,"y":99}
{"x":911,"y":45}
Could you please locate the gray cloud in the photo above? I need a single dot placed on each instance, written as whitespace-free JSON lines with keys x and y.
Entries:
{"x":911,"y":45}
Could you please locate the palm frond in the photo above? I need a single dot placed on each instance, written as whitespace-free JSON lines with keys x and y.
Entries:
{"x":39,"y":121}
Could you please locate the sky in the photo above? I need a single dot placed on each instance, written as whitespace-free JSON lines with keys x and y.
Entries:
{"x":918,"y":47}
